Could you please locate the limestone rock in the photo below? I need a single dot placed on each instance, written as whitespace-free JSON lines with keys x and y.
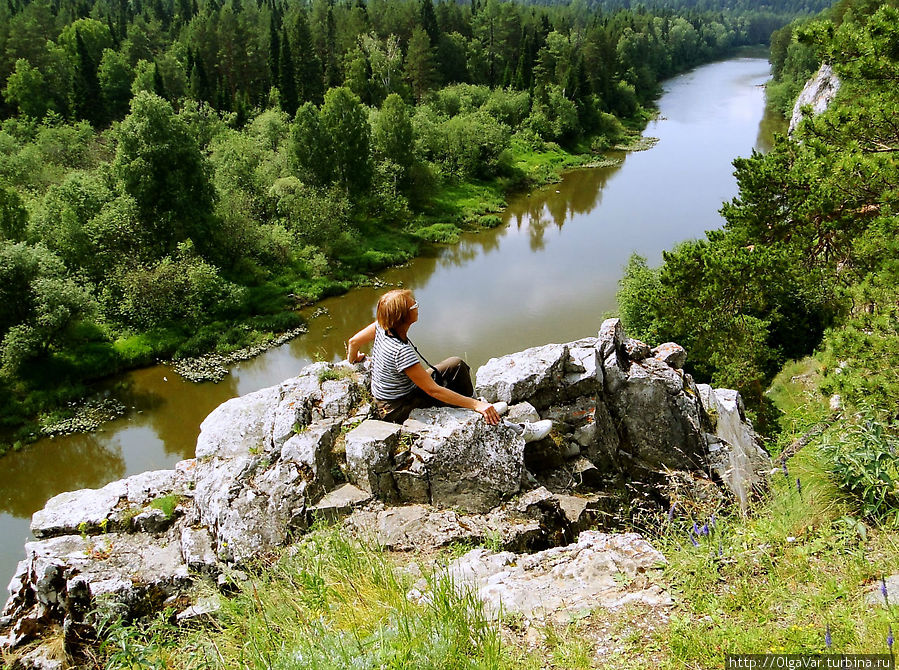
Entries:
{"x":610,"y":337}
{"x":239,"y":426}
{"x":310,"y":452}
{"x":637,"y":350}
{"x":671,"y":353}
{"x":523,"y":411}
{"x":737,"y":456}
{"x":197,"y":550}
{"x":423,"y":528}
{"x":470,"y":465}
{"x":70,"y":575}
{"x":659,"y":417}
{"x":339,"y":503}
{"x":369,"y":457}
{"x":562,"y":582}
{"x":533,"y":375}
{"x":818,"y":93}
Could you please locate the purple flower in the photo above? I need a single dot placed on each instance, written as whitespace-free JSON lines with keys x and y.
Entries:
{"x":712,"y":522}
{"x":695,"y":529}
{"x":783,"y":467}
{"x":799,"y":486}
{"x":720,"y":551}
{"x":890,"y":638}
{"x":671,"y":512}
{"x":883,"y":588}
{"x":827,"y":638}
{"x":704,"y":530}
{"x":694,"y":540}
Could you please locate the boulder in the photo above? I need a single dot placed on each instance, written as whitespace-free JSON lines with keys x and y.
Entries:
{"x":598,"y":571}
{"x":671,"y":354}
{"x":533,"y":375}
{"x":736,"y":456}
{"x":370,"y":449}
{"x":658,"y":416}
{"x":470,"y":465}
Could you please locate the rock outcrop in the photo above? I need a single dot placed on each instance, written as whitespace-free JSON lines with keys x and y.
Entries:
{"x":817,"y":94}
{"x":558,"y":584}
{"x":271,"y":462}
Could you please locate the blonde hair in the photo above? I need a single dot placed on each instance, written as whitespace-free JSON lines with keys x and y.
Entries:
{"x":394,"y":307}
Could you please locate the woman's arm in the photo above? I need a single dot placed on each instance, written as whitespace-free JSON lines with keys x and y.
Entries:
{"x":426,"y":383}
{"x":363,"y":337}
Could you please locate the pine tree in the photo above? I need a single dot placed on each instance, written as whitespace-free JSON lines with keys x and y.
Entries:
{"x":420,"y":69}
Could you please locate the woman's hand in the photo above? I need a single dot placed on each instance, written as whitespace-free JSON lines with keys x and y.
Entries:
{"x":488,"y":411}
{"x":359,"y":358}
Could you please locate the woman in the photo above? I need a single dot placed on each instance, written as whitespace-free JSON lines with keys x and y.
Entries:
{"x":400,"y":383}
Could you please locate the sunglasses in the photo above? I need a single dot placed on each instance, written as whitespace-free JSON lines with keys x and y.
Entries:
{"x":414,"y":306}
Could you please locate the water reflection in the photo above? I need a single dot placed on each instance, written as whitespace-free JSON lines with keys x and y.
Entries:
{"x":33,"y":476}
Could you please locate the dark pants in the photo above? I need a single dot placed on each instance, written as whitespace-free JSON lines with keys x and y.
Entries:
{"x":454,"y":375}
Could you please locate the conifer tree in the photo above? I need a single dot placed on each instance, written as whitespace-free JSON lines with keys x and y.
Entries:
{"x":286,"y":82}
{"x":420,"y":70}
{"x":87,"y":100}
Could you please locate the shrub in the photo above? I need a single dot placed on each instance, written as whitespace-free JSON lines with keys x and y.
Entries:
{"x":864,"y":462}
{"x":183,"y":287}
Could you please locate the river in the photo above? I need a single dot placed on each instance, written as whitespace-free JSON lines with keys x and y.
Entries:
{"x":548,"y":274}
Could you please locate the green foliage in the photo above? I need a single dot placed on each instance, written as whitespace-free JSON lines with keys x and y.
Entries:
{"x":864,"y":461}
{"x":637,"y":294}
{"x":40,"y":303}
{"x":159,"y":164}
{"x":166,"y":504}
{"x":183,"y":287}
{"x":444,"y":233}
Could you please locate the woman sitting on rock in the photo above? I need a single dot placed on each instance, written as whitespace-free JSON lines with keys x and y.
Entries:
{"x":399,"y":382}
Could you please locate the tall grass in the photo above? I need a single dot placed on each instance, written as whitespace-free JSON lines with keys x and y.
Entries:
{"x":329,"y":602}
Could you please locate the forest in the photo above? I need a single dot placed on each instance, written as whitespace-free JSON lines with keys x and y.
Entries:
{"x":177,"y":175}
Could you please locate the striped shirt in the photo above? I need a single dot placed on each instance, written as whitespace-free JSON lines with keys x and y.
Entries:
{"x":390,"y":357}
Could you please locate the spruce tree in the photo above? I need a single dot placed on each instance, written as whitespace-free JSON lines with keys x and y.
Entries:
{"x":287,"y":84}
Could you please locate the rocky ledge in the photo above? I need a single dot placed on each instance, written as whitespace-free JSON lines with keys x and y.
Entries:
{"x":270,"y":463}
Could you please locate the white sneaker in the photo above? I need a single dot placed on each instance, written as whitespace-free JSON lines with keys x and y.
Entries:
{"x":531,"y":432}
{"x":500,"y":407}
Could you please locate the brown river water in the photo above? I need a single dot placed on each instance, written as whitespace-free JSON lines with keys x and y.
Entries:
{"x":548,"y":274}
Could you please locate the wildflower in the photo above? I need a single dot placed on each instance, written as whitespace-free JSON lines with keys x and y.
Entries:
{"x":720,"y":550}
{"x":671,"y":512}
{"x":695,"y":529}
{"x":784,"y":468}
{"x":798,"y":486}
{"x":712,"y":522}
{"x":883,"y":589}
{"x":704,"y":530}
{"x":890,"y":638}
{"x":827,"y":638}
{"x":694,"y":540}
